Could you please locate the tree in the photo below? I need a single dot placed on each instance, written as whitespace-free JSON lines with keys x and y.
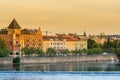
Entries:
{"x":4,"y":51}
{"x":64,"y":51}
{"x":26,"y":51}
{"x":30,"y":51}
{"x":51,"y":52}
{"x":95,"y":51}
{"x":118,"y":52}
{"x":39,"y":52}
{"x":92,"y":44}
{"x":109,"y":50}
{"x":85,"y":51}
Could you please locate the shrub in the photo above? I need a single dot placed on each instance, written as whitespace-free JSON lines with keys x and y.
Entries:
{"x":16,"y":60}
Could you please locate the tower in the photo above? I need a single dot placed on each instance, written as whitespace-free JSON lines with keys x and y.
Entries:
{"x":14,"y":30}
{"x":85,"y":33}
{"x":39,"y":32}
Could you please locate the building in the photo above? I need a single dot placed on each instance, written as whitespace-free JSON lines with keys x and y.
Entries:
{"x":100,"y":39}
{"x":55,"y":42}
{"x":17,"y":38}
{"x":64,"y":42}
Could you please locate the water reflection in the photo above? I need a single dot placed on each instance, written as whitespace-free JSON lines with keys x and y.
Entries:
{"x":73,"y":66}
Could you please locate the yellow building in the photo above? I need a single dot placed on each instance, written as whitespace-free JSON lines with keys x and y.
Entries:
{"x":81,"y":44}
{"x":64,"y":42}
{"x":17,"y":38}
{"x":99,"y":40}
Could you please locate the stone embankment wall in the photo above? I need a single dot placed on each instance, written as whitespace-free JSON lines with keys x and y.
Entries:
{"x":108,"y":57}
{"x":6,"y":60}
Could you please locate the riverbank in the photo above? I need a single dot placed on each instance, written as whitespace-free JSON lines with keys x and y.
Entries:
{"x":87,"y":58}
{"x":6,"y":60}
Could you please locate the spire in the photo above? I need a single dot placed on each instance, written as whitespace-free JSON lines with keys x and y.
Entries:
{"x":39,"y":31}
{"x":14,"y":25}
{"x":85,"y":33}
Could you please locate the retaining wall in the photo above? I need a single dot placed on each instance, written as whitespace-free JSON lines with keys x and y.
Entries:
{"x":108,"y":57}
{"x":6,"y":60}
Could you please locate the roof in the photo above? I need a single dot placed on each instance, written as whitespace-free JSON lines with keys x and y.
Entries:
{"x":3,"y":31}
{"x":57,"y":38}
{"x":14,"y":25}
{"x":28,"y":31}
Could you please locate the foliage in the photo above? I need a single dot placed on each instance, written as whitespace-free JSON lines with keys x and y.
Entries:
{"x":118,"y":52}
{"x":111,"y":44}
{"x":30,"y":51}
{"x":16,"y":60}
{"x":80,"y":51}
{"x":4,"y":51}
{"x":26,"y":51}
{"x":92,"y":44}
{"x":94,"y":51}
{"x":39,"y":52}
{"x":64,"y":51}
{"x":109,"y":50}
{"x":51,"y":52}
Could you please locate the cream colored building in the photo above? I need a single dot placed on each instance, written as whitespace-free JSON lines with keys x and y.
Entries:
{"x":81,"y":44}
{"x":60,"y":43}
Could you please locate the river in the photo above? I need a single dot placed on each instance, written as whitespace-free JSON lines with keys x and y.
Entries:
{"x":71,"y":66}
{"x":61,"y":71}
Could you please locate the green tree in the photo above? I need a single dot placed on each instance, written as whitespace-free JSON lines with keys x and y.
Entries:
{"x":85,"y":51}
{"x":51,"y":52}
{"x":26,"y":51}
{"x":92,"y":44}
{"x":39,"y":52}
{"x":118,"y":52}
{"x":111,"y":44}
{"x":4,"y":51}
{"x":75,"y":52}
{"x":95,"y":51}
{"x":64,"y":52}
{"x":109,"y":50}
{"x":32,"y":50}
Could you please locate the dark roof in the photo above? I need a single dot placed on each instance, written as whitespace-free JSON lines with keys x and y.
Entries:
{"x":3,"y":31}
{"x":14,"y":25}
{"x":28,"y":31}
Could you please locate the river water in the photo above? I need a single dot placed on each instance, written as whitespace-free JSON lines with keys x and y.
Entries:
{"x":61,"y":71}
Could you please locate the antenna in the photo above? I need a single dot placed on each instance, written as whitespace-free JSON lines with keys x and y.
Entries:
{"x":46,"y":32}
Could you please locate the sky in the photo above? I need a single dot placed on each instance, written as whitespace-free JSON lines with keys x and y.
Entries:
{"x":63,"y":16}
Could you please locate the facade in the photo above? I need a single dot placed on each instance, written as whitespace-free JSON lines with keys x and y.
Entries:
{"x":64,"y":42}
{"x":100,"y":39}
{"x":53,"y":42}
{"x":17,"y":38}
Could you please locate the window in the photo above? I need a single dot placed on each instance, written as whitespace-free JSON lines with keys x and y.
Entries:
{"x":17,"y":53}
{"x":16,"y":42}
{"x":10,"y":42}
{"x":27,"y":40}
{"x":33,"y":44}
{"x":27,"y":45}
{"x":39,"y":44}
